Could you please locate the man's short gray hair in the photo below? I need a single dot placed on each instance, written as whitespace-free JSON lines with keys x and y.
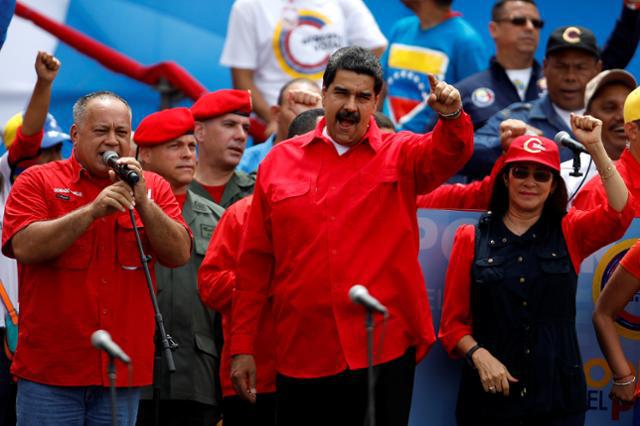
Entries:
{"x":80,"y":106}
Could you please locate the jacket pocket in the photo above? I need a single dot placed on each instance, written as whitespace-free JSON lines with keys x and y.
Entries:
{"x":206,"y":344}
{"x":552,"y":262}
{"x":489,"y":269}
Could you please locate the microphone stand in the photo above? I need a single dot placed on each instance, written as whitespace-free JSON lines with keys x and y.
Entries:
{"x":576,"y":164}
{"x":371,"y":386}
{"x":168,"y":345}
{"x":111,"y":372}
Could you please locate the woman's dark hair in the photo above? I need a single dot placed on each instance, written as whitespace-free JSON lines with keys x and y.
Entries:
{"x":555,"y":206}
{"x":356,"y":59}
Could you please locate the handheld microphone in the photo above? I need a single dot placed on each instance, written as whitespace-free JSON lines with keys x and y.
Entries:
{"x":564,"y":139}
{"x":110,"y":158}
{"x":360,"y":295}
{"x":101,"y":340}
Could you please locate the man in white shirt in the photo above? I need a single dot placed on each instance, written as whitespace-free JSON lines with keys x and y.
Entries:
{"x":270,"y":42}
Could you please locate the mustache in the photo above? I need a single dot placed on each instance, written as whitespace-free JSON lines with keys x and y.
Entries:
{"x":348,"y":115}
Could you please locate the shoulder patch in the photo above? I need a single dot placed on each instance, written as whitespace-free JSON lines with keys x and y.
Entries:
{"x":206,"y":230}
{"x":483,"y":97}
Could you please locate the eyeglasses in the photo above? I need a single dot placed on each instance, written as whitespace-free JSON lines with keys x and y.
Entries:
{"x":521,"y":21}
{"x":539,"y":175}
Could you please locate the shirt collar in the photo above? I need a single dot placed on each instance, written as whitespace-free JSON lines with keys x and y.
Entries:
{"x":373,"y":135}
{"x":79,"y":171}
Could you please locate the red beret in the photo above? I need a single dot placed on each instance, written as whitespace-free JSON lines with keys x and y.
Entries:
{"x":164,"y":126}
{"x":222,"y":102}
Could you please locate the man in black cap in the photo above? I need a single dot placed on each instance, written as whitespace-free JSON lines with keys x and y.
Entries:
{"x":572,"y":59}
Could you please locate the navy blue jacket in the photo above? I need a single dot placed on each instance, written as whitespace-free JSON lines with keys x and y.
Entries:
{"x":487,"y":92}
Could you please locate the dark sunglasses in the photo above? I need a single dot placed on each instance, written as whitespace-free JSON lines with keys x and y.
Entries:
{"x":539,"y":175}
{"x":521,"y":21}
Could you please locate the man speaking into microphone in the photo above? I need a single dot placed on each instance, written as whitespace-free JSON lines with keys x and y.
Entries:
{"x":67,"y":223}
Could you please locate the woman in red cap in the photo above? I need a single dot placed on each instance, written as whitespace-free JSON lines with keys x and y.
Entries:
{"x":509,"y":304}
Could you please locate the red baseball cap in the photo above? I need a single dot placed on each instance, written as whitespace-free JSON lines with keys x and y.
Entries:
{"x":222,"y":102}
{"x":164,"y":126}
{"x":535,"y":149}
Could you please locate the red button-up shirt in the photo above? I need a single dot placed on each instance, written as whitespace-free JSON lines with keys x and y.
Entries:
{"x":321,"y":222}
{"x":216,"y":282}
{"x":97,"y":283}
{"x":593,"y":193}
{"x":584,"y":233}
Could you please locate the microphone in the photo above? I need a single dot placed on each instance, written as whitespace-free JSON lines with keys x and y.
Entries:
{"x":110,"y":158}
{"x":564,"y":139}
{"x":360,"y":295}
{"x":101,"y":340}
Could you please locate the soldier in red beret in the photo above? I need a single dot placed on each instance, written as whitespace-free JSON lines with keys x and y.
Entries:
{"x":221,"y":129}
{"x":167,"y":146}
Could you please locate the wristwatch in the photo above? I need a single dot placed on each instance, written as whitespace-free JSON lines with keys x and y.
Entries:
{"x":469,"y":355}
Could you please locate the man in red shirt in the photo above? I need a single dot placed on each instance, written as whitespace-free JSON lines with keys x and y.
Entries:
{"x":217,"y":282}
{"x":67,"y":225}
{"x":334,"y":208}
{"x":221,"y":129}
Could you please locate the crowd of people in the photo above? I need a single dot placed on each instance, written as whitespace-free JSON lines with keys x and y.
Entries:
{"x":252,"y":252}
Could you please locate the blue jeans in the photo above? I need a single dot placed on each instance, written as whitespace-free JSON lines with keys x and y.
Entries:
{"x":45,"y":405}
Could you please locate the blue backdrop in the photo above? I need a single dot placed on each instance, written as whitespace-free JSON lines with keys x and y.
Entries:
{"x":192,"y":34}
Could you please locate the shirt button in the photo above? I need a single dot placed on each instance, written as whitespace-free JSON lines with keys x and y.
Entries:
{"x":553,"y":255}
{"x":103,"y":281}
{"x":527,"y":351}
{"x":333,"y":252}
{"x":534,"y":235}
{"x":520,"y":259}
{"x":522,"y":280}
{"x":527,"y":328}
{"x":490,"y":260}
{"x":104,"y":312}
{"x":524,"y":303}
{"x":504,"y":240}
{"x":492,"y":242}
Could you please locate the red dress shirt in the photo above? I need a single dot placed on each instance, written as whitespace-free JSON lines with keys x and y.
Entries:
{"x":216,"y":282}
{"x":593,"y":193}
{"x":97,"y":283}
{"x":584,"y":233}
{"x":321,"y":222}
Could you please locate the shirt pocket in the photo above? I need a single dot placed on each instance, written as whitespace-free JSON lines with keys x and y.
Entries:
{"x":79,"y":254}
{"x":379,"y":187}
{"x":128,"y":255}
{"x":288,"y":191}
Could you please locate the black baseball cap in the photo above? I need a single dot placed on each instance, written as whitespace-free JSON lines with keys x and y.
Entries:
{"x":573,"y":37}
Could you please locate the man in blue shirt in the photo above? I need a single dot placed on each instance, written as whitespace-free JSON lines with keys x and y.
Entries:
{"x":296,"y":96}
{"x":572,"y":58}
{"x":513,"y":74}
{"x":435,"y":41}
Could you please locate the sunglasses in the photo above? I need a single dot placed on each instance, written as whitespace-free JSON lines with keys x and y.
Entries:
{"x":539,"y":175}
{"x":521,"y":21}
